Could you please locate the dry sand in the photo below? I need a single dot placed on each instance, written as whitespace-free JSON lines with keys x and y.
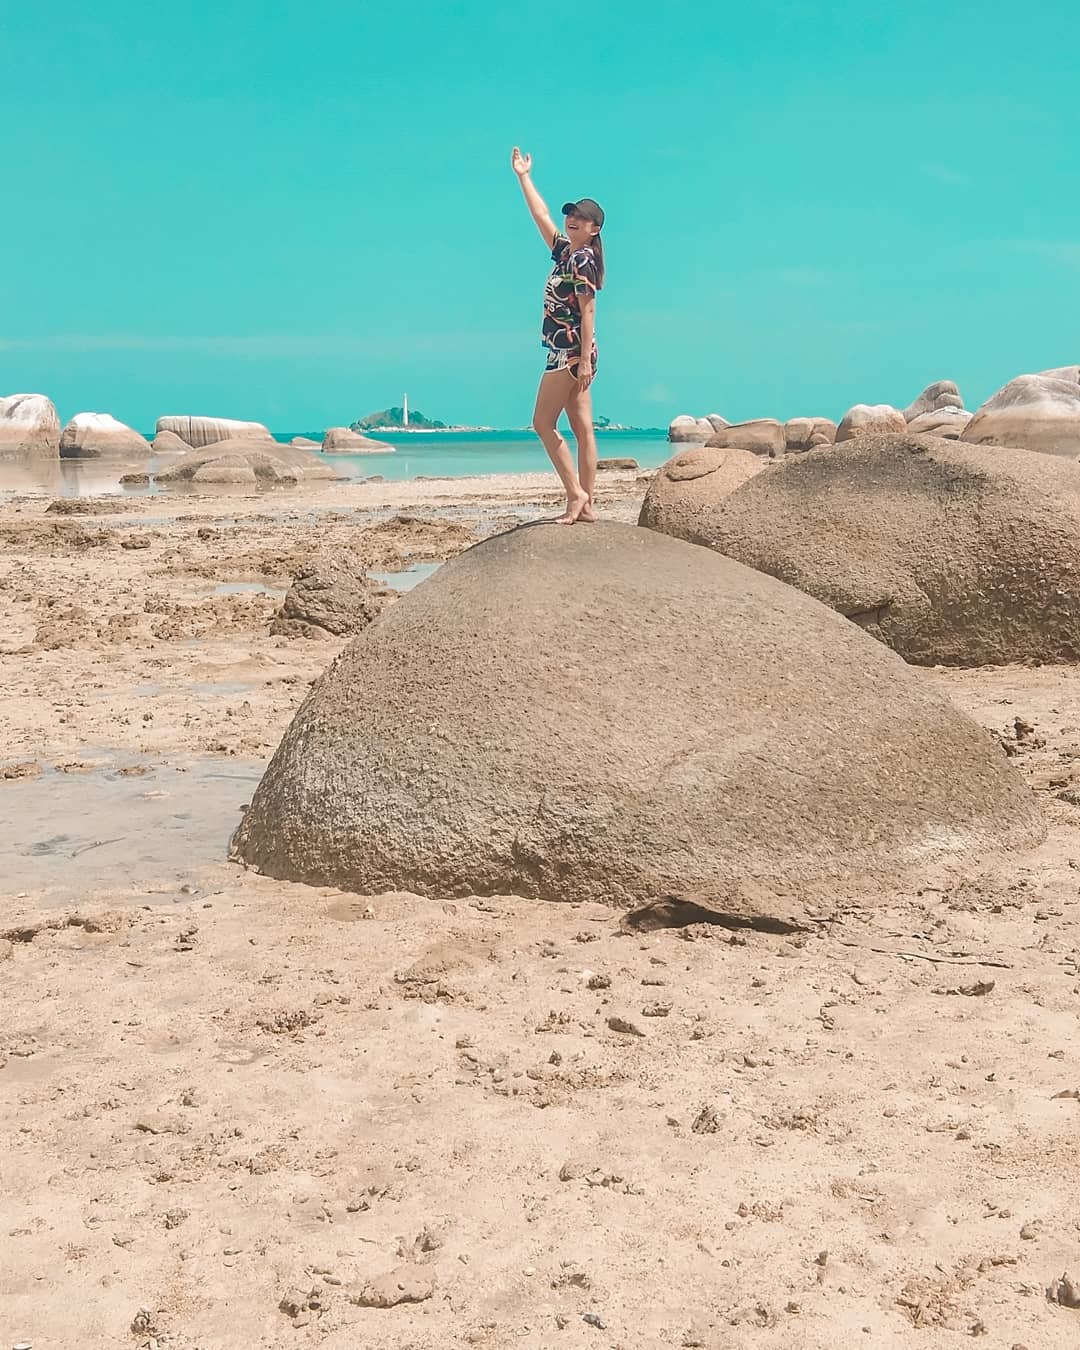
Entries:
{"x":242,"y":1113}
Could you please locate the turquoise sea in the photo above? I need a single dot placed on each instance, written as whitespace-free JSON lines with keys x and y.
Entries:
{"x":417,"y":454}
{"x":460,"y":454}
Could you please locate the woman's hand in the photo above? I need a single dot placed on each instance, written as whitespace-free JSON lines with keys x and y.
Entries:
{"x":585,"y":373}
{"x":521,"y":164}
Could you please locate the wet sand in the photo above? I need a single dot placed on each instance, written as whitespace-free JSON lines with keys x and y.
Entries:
{"x":244,"y":1113}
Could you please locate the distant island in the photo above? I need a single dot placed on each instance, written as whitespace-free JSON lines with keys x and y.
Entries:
{"x":393,"y":419}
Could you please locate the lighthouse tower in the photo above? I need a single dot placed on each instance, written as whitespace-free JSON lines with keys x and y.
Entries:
{"x":405,"y":409}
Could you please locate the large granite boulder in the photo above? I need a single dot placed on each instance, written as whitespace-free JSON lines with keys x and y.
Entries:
{"x":346,"y":441}
{"x":687,"y":428}
{"x":29,"y":427}
{"x":332,"y":597}
{"x":200,"y":431}
{"x":804,"y":433}
{"x":762,"y":436}
{"x":169,"y":443}
{"x":686,"y":724}
{"x":940,"y":394}
{"x":255,"y":463}
{"x":100,"y":436}
{"x":683,"y":494}
{"x":947,"y":422}
{"x":717,"y":422}
{"x":949,"y":553}
{"x":1033,"y":412}
{"x":864,"y":417}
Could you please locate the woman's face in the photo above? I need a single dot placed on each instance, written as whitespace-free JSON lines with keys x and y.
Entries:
{"x":579,"y":230}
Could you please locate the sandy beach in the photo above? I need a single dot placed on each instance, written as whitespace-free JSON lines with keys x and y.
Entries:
{"x":240,"y":1112}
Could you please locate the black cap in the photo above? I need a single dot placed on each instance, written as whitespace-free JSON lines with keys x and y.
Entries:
{"x":587,"y":209}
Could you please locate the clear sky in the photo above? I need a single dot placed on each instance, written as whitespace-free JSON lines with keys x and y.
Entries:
{"x":293,"y":212}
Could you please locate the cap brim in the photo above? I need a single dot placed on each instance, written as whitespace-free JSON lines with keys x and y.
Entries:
{"x":569,"y":207}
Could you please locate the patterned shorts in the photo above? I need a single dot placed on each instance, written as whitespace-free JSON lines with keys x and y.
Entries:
{"x":559,"y":359}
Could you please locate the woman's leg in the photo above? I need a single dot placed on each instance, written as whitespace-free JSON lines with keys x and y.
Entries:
{"x":579,"y":411}
{"x":556,"y":386}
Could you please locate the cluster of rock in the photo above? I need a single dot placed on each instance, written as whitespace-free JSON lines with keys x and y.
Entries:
{"x":243,"y":452}
{"x":939,"y":409}
{"x":333,"y":597}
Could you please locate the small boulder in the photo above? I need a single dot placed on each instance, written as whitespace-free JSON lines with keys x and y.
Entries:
{"x":200,"y":431}
{"x":346,"y":441}
{"x":169,"y":443}
{"x":949,"y":553}
{"x":100,"y":436}
{"x":331,"y":598}
{"x":617,"y":463}
{"x":947,"y":422}
{"x":864,"y":417}
{"x":265,"y":463}
{"x":940,"y":394}
{"x":683,"y":494}
{"x":804,"y":433}
{"x":135,"y":480}
{"x":763,"y":436}
{"x":29,"y":427}
{"x":1033,"y":412}
{"x":686,"y":428}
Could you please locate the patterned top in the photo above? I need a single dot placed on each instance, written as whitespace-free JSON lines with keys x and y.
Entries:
{"x":573,"y":275}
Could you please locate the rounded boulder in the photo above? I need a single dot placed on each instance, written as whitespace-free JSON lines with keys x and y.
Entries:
{"x":1033,"y":412}
{"x":100,"y":436}
{"x":866,"y":417}
{"x":951,"y":554}
{"x":684,"y":492}
{"x":29,"y":427}
{"x":247,"y":462}
{"x":608,"y":714}
{"x":763,"y":436}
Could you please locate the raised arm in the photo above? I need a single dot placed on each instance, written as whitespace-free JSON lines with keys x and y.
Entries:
{"x":522,"y":166}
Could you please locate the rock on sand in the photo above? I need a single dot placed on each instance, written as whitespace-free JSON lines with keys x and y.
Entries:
{"x":804,"y":433}
{"x":949,"y":553}
{"x":687,"y":428}
{"x":169,"y":443}
{"x":763,"y":436}
{"x":29,"y":426}
{"x":941,"y":394}
{"x":864,"y":417}
{"x":100,"y":436}
{"x":252,"y":462}
{"x":331,"y":598}
{"x":608,"y":714}
{"x":946,"y":422}
{"x":1034,"y":412}
{"x":682,"y":497}
{"x":351,"y":442}
{"x":200,"y":431}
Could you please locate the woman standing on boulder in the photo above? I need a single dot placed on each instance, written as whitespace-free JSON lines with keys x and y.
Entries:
{"x":569,"y":334}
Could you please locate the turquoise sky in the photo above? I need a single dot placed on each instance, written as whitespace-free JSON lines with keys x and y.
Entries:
{"x":292,"y":212}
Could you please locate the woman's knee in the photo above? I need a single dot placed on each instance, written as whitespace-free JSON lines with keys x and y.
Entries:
{"x":543,"y":424}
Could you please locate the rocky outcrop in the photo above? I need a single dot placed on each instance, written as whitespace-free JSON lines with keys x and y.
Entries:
{"x":346,"y":441}
{"x":864,"y":417}
{"x":169,"y":443}
{"x":686,"y":428}
{"x":617,"y":462}
{"x":100,"y":436}
{"x":951,"y":554}
{"x":941,"y":394}
{"x":1034,"y":412}
{"x":331,"y":598}
{"x":683,"y":496}
{"x":306,"y":443}
{"x":763,"y":436}
{"x":254,"y":463}
{"x":754,"y":736}
{"x":29,"y":427}
{"x":805,"y":433}
{"x":200,"y":431}
{"x":949,"y":423}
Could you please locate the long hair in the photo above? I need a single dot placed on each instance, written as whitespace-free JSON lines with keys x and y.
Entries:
{"x":597,"y":246}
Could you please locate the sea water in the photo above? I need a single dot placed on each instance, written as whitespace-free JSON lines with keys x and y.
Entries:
{"x":416,"y":454}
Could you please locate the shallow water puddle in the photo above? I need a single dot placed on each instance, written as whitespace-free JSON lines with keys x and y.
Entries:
{"x":409,"y":577}
{"x":65,"y":833}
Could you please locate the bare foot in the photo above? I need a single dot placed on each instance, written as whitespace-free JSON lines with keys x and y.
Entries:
{"x":586,"y":515}
{"x":575,"y":505}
